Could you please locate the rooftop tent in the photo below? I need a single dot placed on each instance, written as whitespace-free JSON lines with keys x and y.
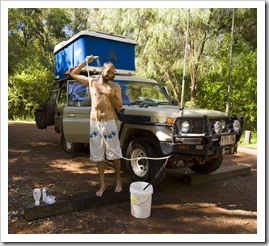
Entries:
{"x":117,"y":49}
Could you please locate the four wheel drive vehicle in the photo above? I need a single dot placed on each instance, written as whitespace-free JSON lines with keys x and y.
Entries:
{"x":149,"y":126}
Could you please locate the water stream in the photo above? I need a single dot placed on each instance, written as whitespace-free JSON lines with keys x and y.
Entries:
{"x":98,"y":63}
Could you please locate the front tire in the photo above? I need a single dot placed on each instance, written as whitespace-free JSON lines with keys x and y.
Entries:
{"x":144,"y":169}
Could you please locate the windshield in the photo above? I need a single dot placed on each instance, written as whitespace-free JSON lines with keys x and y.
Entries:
{"x":135,"y":92}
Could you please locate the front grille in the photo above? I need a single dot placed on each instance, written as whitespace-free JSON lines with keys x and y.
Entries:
{"x":197,"y":125}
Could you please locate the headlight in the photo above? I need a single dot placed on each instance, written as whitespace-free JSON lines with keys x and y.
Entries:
{"x":236,"y":126}
{"x":217,"y":127}
{"x":185,"y":126}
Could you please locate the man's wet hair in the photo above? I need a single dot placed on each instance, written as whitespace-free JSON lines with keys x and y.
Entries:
{"x":108,"y":63}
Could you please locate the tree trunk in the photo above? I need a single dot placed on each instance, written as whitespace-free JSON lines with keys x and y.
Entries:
{"x":193,"y":82}
{"x":173,"y":84}
{"x":194,"y":67}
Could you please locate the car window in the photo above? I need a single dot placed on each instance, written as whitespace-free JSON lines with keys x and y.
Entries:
{"x":78,"y":94}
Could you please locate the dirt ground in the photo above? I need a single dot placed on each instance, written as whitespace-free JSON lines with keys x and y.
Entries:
{"x":36,"y":159}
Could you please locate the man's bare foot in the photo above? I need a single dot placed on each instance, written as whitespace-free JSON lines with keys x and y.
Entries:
{"x":118,"y":188}
{"x":100,"y":191}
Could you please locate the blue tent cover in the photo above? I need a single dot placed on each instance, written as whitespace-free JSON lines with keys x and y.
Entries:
{"x":119,"y":50}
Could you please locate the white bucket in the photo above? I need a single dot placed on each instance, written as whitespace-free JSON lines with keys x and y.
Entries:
{"x":140,"y":199}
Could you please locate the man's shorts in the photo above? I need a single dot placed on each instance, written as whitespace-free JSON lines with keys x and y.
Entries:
{"x":106,"y":147}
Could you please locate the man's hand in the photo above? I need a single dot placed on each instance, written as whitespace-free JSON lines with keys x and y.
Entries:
{"x":90,"y":58}
{"x":107,"y":90}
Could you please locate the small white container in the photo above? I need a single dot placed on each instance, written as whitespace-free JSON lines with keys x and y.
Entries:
{"x":44,"y":194}
{"x":37,"y":195}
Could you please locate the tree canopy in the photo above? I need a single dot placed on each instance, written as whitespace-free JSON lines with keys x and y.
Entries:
{"x":160,"y":35}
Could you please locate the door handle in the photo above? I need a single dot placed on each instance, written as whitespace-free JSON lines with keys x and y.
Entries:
{"x":71,"y":115}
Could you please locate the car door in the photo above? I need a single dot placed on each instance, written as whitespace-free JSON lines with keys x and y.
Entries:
{"x":60,"y":103}
{"x":76,"y":115}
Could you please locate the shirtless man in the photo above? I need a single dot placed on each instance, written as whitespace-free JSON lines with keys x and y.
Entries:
{"x":105,"y":96}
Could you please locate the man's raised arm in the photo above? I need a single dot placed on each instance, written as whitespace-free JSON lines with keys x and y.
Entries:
{"x":75,"y":73}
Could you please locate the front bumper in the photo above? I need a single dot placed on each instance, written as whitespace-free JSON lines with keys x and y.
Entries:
{"x":200,"y":151}
{"x":202,"y":142}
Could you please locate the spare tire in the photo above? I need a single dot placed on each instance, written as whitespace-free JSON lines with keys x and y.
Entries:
{"x":50,"y":111}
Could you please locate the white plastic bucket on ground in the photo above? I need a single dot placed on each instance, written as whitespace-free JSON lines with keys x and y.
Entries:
{"x":140,"y":199}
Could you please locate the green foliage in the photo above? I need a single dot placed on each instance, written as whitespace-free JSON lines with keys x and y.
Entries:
{"x":243,"y":95}
{"x":28,"y":89}
{"x":32,"y":36}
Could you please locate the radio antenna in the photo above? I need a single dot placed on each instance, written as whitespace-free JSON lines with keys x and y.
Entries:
{"x":230,"y":69}
{"x":184,"y":67}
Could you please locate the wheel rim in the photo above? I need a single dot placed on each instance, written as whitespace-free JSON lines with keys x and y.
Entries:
{"x":140,"y":167}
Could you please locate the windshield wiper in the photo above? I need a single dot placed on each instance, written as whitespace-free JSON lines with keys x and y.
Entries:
{"x":162,"y":103}
{"x":135,"y":103}
{"x":144,"y":102}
